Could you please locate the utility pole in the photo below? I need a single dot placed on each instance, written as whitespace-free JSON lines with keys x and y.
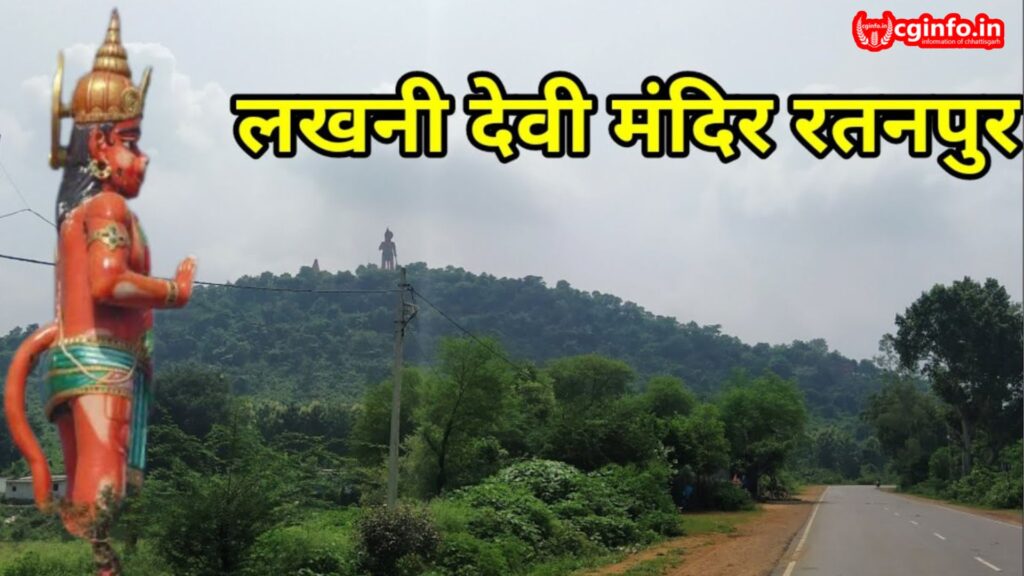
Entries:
{"x":401,"y":321}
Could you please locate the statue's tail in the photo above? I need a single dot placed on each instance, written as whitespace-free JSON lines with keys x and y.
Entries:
{"x":14,"y":409}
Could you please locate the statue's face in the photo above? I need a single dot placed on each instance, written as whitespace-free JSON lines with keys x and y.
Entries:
{"x":118,"y":151}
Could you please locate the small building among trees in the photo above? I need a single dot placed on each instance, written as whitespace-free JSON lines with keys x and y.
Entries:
{"x":19,"y":490}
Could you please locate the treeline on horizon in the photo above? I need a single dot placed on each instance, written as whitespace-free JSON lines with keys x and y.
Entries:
{"x":300,"y":346}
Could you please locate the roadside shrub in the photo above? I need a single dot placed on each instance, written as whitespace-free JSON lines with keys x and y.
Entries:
{"x":778,"y":486}
{"x":395,"y":542}
{"x":641,"y":489}
{"x":724,"y":496}
{"x":451,"y":516}
{"x":663,"y":523}
{"x":613,"y":531}
{"x":296,"y":550}
{"x":463,"y":554}
{"x":568,"y":539}
{"x":599,"y":513}
{"x":1005,"y":492}
{"x":552,"y":509}
{"x":548,"y":480}
{"x":505,"y":510}
{"x":594,"y":496}
{"x":973,"y":487}
{"x":1011,"y":459}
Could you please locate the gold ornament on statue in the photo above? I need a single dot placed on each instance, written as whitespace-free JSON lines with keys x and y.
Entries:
{"x":106,"y":94}
{"x":100,"y":173}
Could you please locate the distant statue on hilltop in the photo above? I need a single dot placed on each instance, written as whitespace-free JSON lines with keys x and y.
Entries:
{"x":388,"y":251}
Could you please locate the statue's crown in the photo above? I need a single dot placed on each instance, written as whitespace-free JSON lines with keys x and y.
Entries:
{"x":105,"y":94}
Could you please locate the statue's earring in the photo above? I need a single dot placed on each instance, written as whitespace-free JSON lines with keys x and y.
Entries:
{"x":98,"y":172}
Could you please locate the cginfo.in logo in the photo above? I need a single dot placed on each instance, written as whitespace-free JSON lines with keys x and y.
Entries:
{"x":927,"y":31}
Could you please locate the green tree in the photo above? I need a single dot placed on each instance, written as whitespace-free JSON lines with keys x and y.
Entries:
{"x":592,"y":435}
{"x":833,"y":448}
{"x":462,"y":409}
{"x":529,"y":419}
{"x":583,"y":380}
{"x":667,"y":396}
{"x":967,"y":338}
{"x":908,"y":425}
{"x":371,"y":433}
{"x":698,"y":441}
{"x":764,"y":420}
{"x":205,"y":524}
{"x":193,"y":397}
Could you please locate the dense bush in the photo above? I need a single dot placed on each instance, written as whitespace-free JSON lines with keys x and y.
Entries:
{"x":641,"y":489}
{"x":394,"y":541}
{"x":726,"y":496}
{"x":473,"y":543}
{"x":970,"y":488}
{"x":1004,"y":492}
{"x":507,"y":510}
{"x":28,"y":523}
{"x":462,"y":554}
{"x":548,"y":480}
{"x":298,"y":550}
{"x":612,"y":531}
{"x":538,"y":510}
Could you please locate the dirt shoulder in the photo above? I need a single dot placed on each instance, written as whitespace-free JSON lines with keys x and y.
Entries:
{"x":1009,"y":516}
{"x":753,"y":549}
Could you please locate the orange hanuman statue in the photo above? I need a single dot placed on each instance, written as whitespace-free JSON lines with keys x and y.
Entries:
{"x":99,"y":367}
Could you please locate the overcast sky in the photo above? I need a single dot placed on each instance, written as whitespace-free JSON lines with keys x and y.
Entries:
{"x":773,"y":250}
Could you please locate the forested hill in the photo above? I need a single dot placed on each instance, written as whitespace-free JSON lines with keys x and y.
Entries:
{"x":297,"y":346}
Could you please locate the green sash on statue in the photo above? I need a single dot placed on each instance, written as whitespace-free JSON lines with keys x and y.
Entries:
{"x":109,"y":367}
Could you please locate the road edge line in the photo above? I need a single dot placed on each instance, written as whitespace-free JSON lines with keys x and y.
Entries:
{"x":807,"y":530}
{"x":814,"y":514}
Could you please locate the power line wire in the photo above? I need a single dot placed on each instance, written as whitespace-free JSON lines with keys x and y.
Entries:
{"x":243,"y":286}
{"x":466,"y":331}
{"x":416,"y":293}
{"x":29,"y":260}
{"x":17,"y":190}
{"x":300,"y":290}
{"x":15,"y":213}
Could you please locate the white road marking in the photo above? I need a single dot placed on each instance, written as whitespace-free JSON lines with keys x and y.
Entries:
{"x":939,"y":536}
{"x":979,"y":516}
{"x":886,"y":508}
{"x":992,"y":566}
{"x":803,"y":539}
{"x":914,"y":523}
{"x":896,"y":513}
{"x":807,"y":530}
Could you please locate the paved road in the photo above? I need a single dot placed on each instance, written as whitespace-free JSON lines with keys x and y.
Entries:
{"x":863,"y":531}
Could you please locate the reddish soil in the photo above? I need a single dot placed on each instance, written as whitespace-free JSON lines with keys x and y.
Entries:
{"x":753,"y":549}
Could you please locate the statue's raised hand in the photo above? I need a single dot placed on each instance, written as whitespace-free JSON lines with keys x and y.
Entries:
{"x":184,"y":279}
